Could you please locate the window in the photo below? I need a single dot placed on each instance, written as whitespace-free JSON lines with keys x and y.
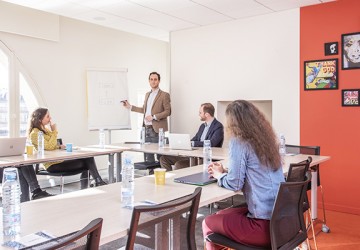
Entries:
{"x":18,"y":95}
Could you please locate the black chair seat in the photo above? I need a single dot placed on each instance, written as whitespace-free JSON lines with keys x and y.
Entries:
{"x":67,"y":173}
{"x":225,"y":241}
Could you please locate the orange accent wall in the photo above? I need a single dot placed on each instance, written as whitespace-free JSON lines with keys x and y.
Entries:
{"x":323,"y":121}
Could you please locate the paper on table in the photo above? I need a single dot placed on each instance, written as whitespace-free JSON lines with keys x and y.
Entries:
{"x":141,"y":203}
{"x":29,"y":240}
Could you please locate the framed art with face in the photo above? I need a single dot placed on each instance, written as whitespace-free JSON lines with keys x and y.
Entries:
{"x":350,"y":51}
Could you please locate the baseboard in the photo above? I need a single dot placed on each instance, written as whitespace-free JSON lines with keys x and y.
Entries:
{"x":340,"y":208}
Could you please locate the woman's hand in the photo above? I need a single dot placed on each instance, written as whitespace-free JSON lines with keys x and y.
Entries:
{"x":53,"y":126}
{"x":62,"y":146}
{"x":215,"y":169}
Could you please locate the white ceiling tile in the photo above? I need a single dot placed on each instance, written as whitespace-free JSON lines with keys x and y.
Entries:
{"x":164,"y":5}
{"x":96,"y":4}
{"x":63,"y":8}
{"x":200,"y":15}
{"x":155,"y":18}
{"x":236,"y":8}
{"x":26,"y":3}
{"x":280,"y":5}
{"x":145,"y":15}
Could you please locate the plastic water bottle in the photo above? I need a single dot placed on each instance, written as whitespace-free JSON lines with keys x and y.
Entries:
{"x":282,"y":146}
{"x":11,"y":202}
{"x":142,"y":136}
{"x":40,"y":148}
{"x":207,"y":154}
{"x":161,"y":138}
{"x":127,"y":185}
{"x":102,"y":138}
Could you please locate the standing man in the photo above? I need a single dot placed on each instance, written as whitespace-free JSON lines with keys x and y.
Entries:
{"x":156,"y":110}
{"x":211,"y":129}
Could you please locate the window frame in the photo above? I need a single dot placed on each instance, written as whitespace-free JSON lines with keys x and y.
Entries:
{"x":15,"y":69}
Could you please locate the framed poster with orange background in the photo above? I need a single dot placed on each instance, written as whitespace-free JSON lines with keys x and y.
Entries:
{"x":321,"y":74}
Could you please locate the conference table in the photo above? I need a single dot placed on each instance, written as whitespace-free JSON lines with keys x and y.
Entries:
{"x":117,"y":149}
{"x":77,"y":153}
{"x":68,"y":212}
{"x":222,"y":154}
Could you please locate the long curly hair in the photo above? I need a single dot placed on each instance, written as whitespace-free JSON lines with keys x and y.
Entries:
{"x":246,"y":122}
{"x":35,"y":120}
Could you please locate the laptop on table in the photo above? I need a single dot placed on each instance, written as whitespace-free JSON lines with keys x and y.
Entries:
{"x":12,"y":146}
{"x":180,"y":142}
{"x":199,"y":179}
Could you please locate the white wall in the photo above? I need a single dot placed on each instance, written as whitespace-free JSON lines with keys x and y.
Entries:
{"x":254,"y":59}
{"x":59,"y":70}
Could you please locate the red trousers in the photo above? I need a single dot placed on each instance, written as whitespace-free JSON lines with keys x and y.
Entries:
{"x":234,"y":224}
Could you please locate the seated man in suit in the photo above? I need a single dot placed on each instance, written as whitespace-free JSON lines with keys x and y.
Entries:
{"x":211,"y":130}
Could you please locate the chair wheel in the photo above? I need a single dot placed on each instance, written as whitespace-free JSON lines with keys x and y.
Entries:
{"x":325,"y":228}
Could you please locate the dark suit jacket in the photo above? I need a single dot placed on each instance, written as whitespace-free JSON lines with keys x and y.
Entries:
{"x":161,"y":109}
{"x":215,"y":134}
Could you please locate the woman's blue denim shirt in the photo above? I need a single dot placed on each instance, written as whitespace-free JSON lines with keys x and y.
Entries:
{"x":259,"y":183}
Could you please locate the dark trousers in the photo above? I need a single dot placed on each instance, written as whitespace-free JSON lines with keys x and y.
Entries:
{"x":78,"y":164}
{"x":27,"y":179}
{"x":152,"y":137}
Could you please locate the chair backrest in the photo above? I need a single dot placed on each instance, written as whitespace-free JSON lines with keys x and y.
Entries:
{"x":287,"y":225}
{"x":310,"y":150}
{"x":297,"y":171}
{"x":296,"y":149}
{"x":87,"y":238}
{"x":151,"y":225}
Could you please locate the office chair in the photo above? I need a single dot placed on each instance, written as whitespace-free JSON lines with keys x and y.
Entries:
{"x":40,"y":171}
{"x":87,"y":238}
{"x":287,"y":225}
{"x":312,"y":150}
{"x":163,"y":224}
{"x":298,"y":172}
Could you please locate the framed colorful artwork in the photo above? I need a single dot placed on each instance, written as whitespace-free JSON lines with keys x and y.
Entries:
{"x":321,"y":74}
{"x":350,"y":51}
{"x":350,"y":97}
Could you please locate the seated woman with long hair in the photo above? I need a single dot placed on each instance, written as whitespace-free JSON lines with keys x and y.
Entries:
{"x":254,"y":167}
{"x":41,"y":121}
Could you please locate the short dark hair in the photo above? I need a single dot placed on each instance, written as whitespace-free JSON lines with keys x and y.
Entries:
{"x":154,"y":73}
{"x":208,"y":108}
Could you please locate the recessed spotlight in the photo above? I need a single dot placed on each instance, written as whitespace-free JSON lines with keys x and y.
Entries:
{"x":99,"y":18}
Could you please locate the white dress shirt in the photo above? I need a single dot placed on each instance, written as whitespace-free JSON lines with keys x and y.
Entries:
{"x":149,"y":105}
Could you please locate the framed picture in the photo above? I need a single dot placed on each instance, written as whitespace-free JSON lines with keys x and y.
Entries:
{"x":321,"y":74}
{"x":331,"y":48}
{"x":350,"y":51}
{"x":350,"y":97}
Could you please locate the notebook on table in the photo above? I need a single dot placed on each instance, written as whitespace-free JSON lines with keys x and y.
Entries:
{"x":12,"y":146}
{"x":199,"y":179}
{"x":180,"y":141}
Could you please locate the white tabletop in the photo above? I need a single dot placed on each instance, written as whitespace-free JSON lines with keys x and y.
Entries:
{"x":71,"y":211}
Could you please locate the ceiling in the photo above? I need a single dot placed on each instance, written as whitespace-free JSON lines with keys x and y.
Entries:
{"x":157,"y":18}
